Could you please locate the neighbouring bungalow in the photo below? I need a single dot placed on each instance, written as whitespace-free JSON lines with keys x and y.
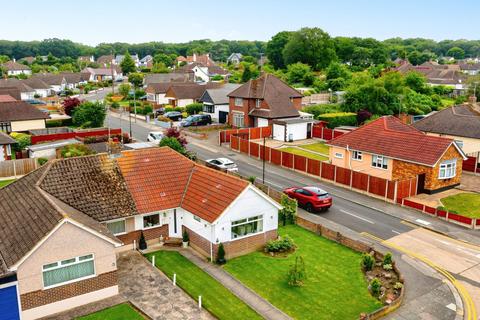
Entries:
{"x":156,"y":92}
{"x":391,"y":150}
{"x":6,"y":144}
{"x":20,"y":116}
{"x":182,"y":94}
{"x":166,"y":77}
{"x":103,"y":74}
{"x":14,"y":68}
{"x":460,"y":123}
{"x":260,"y":101}
{"x":64,"y":223}
{"x":215,"y":102}
{"x":203,"y":59}
{"x":42,"y":89}
{"x":26,"y":92}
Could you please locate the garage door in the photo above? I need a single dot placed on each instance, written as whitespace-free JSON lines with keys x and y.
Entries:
{"x":222,"y":116}
{"x":8,"y":303}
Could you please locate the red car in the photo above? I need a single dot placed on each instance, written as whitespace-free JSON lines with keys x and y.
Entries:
{"x":311,"y":198}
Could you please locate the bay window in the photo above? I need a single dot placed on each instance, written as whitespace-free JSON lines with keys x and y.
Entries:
{"x":448,"y":169}
{"x":247,"y":226}
{"x":68,"y":271}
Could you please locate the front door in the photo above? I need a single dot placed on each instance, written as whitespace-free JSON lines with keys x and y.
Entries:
{"x":222,"y":116}
{"x":174,"y":225}
{"x":421,"y":183}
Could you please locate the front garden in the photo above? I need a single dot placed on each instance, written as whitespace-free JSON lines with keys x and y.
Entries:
{"x":215,"y":297}
{"x":118,"y":312}
{"x":465,"y":204}
{"x":334,"y":287}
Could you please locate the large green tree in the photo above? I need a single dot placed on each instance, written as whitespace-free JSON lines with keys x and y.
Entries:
{"x":136,"y":78}
{"x":127,"y":64}
{"x":300,"y":73}
{"x":275,"y":49}
{"x":456,"y":52}
{"x":311,"y":46}
{"x":89,"y":115}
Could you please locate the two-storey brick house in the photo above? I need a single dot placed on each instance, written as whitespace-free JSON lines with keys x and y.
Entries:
{"x":260,"y":101}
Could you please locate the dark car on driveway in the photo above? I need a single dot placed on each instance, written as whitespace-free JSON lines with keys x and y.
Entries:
{"x":311,"y":198}
{"x":173,"y":115}
{"x":197,"y":120}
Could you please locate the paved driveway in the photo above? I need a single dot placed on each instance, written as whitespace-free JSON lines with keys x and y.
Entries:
{"x":152,"y":292}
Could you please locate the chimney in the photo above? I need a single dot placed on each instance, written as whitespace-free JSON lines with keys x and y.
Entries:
{"x":472,"y":99}
{"x":194,"y":57}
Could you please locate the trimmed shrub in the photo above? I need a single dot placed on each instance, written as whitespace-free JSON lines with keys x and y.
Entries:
{"x":252,"y":179}
{"x":147,"y":109}
{"x":319,"y":109}
{"x":142,"y":243}
{"x":23,"y":140}
{"x":221,"y":254}
{"x":375,"y":286}
{"x":115,"y":105}
{"x":339,"y":119}
{"x":284,"y":244}
{"x":387,"y":259}
{"x":367,"y":262}
{"x":194,"y":108}
{"x":185,"y":237}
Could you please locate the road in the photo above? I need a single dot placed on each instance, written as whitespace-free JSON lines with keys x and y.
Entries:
{"x":98,"y":95}
{"x":391,"y":231}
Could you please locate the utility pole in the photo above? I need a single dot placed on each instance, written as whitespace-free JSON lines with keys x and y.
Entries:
{"x":111,"y":71}
{"x":263,"y":162}
{"x":135,"y":101}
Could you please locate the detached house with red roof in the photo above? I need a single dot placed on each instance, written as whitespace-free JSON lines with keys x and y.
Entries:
{"x":391,"y":150}
{"x":63,"y":224}
{"x":259,"y":102}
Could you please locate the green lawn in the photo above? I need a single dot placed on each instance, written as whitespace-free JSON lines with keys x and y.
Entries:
{"x":466,"y":204}
{"x":215,"y":297}
{"x":317,"y":147}
{"x":3,"y":183}
{"x":304,"y":153}
{"x":335,"y":287}
{"x":120,"y":312}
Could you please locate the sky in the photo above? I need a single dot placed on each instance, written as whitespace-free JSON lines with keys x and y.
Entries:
{"x":96,"y":21}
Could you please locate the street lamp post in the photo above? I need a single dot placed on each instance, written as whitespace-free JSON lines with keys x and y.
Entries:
{"x":263,"y":162}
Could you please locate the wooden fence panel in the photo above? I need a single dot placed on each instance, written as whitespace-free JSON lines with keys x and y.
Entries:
{"x":391,"y":190}
{"x":300,"y":163}
{"x":328,"y":171}
{"x":360,"y":181}
{"x":377,"y":186}
{"x":287,"y":160}
{"x":234,"y":143}
{"x":313,"y":167}
{"x":244,"y":146}
{"x":18,"y":167}
{"x":327,"y":134}
{"x":267,"y":152}
{"x":276,"y":157}
{"x":254,"y":149}
{"x":343,"y":176}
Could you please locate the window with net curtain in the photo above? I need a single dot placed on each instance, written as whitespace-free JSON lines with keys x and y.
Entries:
{"x":116,"y":227}
{"x":69,"y":270}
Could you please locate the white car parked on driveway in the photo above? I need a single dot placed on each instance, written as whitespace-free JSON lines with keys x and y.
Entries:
{"x":222,"y":164}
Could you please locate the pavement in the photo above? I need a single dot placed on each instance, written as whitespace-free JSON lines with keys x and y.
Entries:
{"x":371,"y":218}
{"x":149,"y":290}
{"x":256,"y":302}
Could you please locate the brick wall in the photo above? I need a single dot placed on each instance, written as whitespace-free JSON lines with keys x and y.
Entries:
{"x":42,"y":297}
{"x":232,"y":248}
{"x":405,"y":170}
{"x":149,"y":234}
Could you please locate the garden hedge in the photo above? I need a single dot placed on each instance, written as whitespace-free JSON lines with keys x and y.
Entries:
{"x":339,"y":119}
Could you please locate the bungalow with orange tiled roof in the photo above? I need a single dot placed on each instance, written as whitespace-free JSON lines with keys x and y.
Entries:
{"x":71,"y":216}
{"x":391,"y":150}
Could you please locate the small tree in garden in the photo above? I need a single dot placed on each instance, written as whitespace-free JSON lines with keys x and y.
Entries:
{"x":142,"y":243}
{"x":221,"y":254}
{"x":69,"y":105}
{"x":252,"y":179}
{"x":367,"y":262}
{"x":387,"y":259}
{"x":177,"y":134}
{"x":89,"y":115}
{"x":124,"y":89}
{"x":127,"y":65}
{"x":136,"y":79}
{"x":297,"y":274}
{"x":173,"y":144}
{"x":289,"y":211}
{"x":375,"y":287}
{"x":363,"y":115}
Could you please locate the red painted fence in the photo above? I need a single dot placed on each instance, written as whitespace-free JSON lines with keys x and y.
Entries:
{"x":246,"y":133}
{"x":327,"y":134}
{"x":69,"y":135}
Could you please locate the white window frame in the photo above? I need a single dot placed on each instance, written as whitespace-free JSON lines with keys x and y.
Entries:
{"x":447,"y":166}
{"x":117,"y":220}
{"x":357,"y":155}
{"x":59,"y":266}
{"x":338,"y":155}
{"x":151,"y":227}
{"x":238,"y":102}
{"x":377,"y":159}
{"x":249,"y":220}
{"x":236,"y":116}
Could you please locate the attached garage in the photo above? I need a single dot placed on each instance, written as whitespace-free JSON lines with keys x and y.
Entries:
{"x":9,"y":307}
{"x":294,"y":129}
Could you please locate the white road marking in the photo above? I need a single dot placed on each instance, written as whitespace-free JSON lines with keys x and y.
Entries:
{"x":273,"y":184}
{"x":468,"y":251}
{"x":425,"y":223}
{"x":452,"y":306}
{"x":358,"y":217}
{"x":395,"y":232}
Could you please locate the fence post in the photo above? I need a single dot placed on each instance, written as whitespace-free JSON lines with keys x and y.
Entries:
{"x":335,"y":174}
{"x":368,"y":184}
{"x":281,"y":158}
{"x":153,"y":260}
{"x":322,"y":134}
{"x":321,"y":165}
{"x":395,"y":192}
{"x":386,"y":190}
{"x":199,"y":302}
{"x":134,"y":244}
{"x":174,"y":279}
{"x":351,"y":178}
